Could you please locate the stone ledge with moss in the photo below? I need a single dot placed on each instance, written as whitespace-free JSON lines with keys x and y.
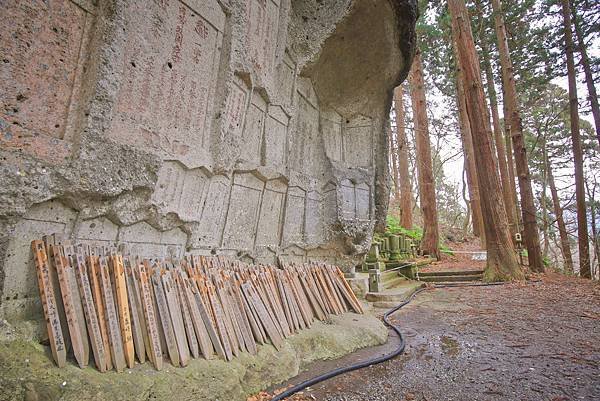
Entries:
{"x":27,"y":371}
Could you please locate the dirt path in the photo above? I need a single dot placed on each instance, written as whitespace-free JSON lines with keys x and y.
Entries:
{"x":538,"y":341}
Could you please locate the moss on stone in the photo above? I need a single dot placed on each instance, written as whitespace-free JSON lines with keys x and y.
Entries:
{"x":27,"y":371}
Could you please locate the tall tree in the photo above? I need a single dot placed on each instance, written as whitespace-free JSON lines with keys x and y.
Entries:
{"x":501,"y":260}
{"x":582,"y":231}
{"x":498,"y":137}
{"x":467,"y":219}
{"x":469,"y":155}
{"x":510,"y":162}
{"x":531,"y":234}
{"x":589,"y":78}
{"x":393,"y":158}
{"x":565,"y":247}
{"x":406,"y":218}
{"x":430,"y":241}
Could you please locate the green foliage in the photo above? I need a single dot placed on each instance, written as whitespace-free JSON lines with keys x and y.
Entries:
{"x":393,"y":226}
{"x":416,"y":233}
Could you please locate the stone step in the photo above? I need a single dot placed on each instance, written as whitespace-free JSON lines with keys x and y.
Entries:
{"x":450,"y":278}
{"x":393,"y":296}
{"x":452,"y":273}
{"x":394,"y":282}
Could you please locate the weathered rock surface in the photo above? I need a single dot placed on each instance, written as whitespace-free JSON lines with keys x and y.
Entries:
{"x":253,"y":129}
{"x":28,"y":372}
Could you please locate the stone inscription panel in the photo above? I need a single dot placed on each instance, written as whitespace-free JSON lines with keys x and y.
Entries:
{"x":20,"y":286}
{"x":348,"y":199}
{"x":253,"y":129}
{"x":240,"y":228}
{"x":331,"y":126}
{"x":180,"y":191}
{"x":358,"y":142}
{"x":42,"y":45}
{"x":271,"y":214}
{"x":286,"y":72}
{"x":363,"y":201}
{"x":170,"y":67}
{"x":293,"y":230}
{"x":214,"y":211}
{"x":144,"y":240}
{"x":304,"y":140}
{"x":276,"y":137}
{"x":330,"y":200}
{"x":314,"y":218}
{"x":235,"y":110}
{"x":263,"y":24}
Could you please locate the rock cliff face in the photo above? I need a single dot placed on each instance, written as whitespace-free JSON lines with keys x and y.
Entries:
{"x":253,"y":129}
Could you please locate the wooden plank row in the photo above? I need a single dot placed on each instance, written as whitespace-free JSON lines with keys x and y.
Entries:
{"x":126,"y":307}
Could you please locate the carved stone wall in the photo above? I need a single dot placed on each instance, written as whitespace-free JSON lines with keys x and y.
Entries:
{"x":249,"y":128}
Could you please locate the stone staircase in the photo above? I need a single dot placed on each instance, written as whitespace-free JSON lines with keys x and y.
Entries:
{"x":454,"y":276}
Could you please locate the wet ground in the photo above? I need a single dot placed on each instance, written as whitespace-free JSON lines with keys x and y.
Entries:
{"x":536,"y":341}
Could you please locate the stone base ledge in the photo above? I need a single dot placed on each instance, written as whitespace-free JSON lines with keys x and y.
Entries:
{"x":28,"y":373}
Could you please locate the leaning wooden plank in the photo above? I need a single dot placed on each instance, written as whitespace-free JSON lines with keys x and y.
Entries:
{"x":345,"y":289}
{"x":243,"y":317}
{"x":202,"y":335}
{"x":220,"y":321}
{"x":203,"y":308}
{"x":68,"y":302}
{"x":306,"y":303}
{"x":274,"y":299}
{"x":236,"y":316}
{"x":303,"y":321}
{"x":295,"y":301}
{"x":135,"y":312}
{"x":255,"y":325}
{"x":319,"y":293}
{"x":112,"y":317}
{"x":285,"y":304}
{"x":331,"y":279}
{"x":243,"y":333}
{"x":135,"y":278}
{"x":68,"y":258}
{"x":118,"y":276}
{"x":165,"y":318}
{"x":348,"y":293}
{"x":260,"y":293}
{"x":289,"y":302}
{"x":325,"y":292}
{"x":57,"y":343}
{"x":265,"y":318}
{"x":301,"y":299}
{"x":187,"y":317}
{"x":237,"y":342}
{"x":91,"y":317}
{"x":316,"y":306}
{"x":276,"y":303}
{"x":150,"y":318}
{"x":94,"y":277}
{"x":149,"y":273}
{"x":176,"y":317}
{"x":329,"y":291}
{"x":331,"y":282}
{"x":48,"y":241}
{"x":251,"y":310}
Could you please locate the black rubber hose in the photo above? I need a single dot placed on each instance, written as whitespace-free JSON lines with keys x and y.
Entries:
{"x":359,"y":365}
{"x":345,"y":369}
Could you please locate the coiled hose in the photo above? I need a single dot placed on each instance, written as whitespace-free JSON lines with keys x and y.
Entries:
{"x":359,"y":365}
{"x":345,"y":369}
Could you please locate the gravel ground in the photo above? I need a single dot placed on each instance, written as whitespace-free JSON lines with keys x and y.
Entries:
{"x":536,"y":341}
